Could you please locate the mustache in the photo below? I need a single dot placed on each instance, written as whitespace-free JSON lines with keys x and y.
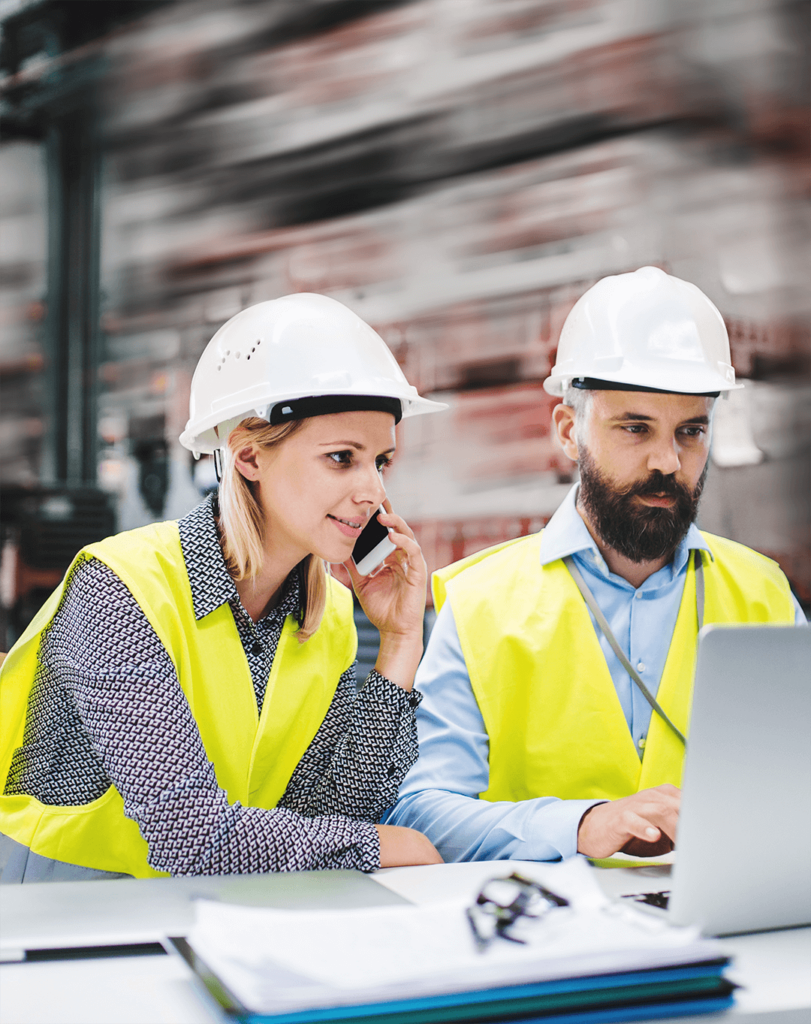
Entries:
{"x":657,"y":485}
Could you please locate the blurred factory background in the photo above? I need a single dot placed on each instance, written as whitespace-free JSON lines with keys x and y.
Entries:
{"x":456,"y":171}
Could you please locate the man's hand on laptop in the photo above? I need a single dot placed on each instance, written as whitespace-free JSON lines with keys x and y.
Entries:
{"x":643,"y":825}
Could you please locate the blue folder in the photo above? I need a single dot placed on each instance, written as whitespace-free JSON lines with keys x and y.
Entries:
{"x":628,"y":996}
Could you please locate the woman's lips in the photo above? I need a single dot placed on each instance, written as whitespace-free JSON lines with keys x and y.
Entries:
{"x":345,"y":528}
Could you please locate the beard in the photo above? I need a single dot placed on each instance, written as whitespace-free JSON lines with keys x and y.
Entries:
{"x":638,"y":532}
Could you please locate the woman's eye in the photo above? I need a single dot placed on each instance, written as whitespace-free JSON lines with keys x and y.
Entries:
{"x":382,"y":462}
{"x":341,"y":458}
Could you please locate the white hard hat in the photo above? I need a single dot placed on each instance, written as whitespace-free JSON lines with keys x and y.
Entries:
{"x":644,"y":331}
{"x":301,"y":355}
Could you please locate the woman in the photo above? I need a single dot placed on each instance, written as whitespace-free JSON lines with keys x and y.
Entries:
{"x":185,"y":703}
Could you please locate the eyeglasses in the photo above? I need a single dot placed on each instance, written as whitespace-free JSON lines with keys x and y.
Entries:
{"x":503,"y":901}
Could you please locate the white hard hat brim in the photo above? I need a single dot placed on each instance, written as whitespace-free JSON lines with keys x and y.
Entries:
{"x":205,"y":440}
{"x":680,"y":382}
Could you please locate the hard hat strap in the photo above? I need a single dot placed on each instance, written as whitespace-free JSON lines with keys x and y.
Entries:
{"x":602,"y":622}
{"x":324,"y":405}
{"x":596,"y":384}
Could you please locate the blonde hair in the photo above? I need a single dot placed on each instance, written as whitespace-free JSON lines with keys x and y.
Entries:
{"x":242,"y":521}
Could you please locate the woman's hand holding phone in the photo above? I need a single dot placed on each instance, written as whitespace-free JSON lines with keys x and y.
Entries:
{"x":394,"y":601}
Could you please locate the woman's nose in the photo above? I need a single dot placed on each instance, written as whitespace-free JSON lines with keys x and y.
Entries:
{"x":372,"y":488}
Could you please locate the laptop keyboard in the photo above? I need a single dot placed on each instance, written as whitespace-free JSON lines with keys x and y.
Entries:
{"x":653,"y":899}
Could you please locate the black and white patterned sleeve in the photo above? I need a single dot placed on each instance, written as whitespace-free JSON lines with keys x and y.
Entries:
{"x":360,"y":754}
{"x":129,"y":703}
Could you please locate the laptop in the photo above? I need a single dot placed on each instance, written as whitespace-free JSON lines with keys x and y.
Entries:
{"x":100,"y":917}
{"x":743,"y":859}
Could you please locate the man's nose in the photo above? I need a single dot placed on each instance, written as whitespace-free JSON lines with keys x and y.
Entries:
{"x":664,"y":456}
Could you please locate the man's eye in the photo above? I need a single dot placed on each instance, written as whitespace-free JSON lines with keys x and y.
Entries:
{"x":693,"y":432}
{"x":635,"y":428}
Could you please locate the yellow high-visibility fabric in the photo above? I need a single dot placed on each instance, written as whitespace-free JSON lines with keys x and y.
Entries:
{"x":550,"y":708}
{"x":254,"y":756}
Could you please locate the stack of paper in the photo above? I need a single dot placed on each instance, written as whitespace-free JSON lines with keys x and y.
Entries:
{"x":407,"y":963}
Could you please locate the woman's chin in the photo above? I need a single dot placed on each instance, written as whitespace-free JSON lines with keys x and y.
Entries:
{"x":334,"y":554}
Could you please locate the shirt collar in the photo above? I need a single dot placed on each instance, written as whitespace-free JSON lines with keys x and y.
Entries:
{"x":210,"y":582}
{"x":567,"y":534}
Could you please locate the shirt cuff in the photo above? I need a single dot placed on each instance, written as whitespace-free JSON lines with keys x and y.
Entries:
{"x":558,"y":823}
{"x":577,"y":808}
{"x":381,"y":688}
{"x":362,"y":849}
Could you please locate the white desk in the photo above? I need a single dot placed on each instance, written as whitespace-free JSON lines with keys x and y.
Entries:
{"x":774,"y":968}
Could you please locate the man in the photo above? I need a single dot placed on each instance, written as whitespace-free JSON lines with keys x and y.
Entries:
{"x":535,"y":740}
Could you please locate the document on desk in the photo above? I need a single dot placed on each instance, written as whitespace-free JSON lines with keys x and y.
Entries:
{"x":280,"y":961}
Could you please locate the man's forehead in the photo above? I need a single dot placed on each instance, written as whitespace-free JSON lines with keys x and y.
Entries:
{"x":651,"y":405}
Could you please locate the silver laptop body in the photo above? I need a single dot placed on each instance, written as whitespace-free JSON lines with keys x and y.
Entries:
{"x":743,"y":860}
{"x":60,"y":915}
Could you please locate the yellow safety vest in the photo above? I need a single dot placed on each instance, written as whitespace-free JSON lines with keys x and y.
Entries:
{"x":254,"y":755}
{"x":550,"y":708}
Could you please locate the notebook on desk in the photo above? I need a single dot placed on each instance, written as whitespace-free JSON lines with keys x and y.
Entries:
{"x":744,"y":843}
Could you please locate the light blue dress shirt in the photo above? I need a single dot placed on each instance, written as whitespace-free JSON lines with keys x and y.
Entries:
{"x":440,"y":794}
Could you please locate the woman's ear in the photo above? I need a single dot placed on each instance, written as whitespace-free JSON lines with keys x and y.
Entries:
{"x":246,"y":460}
{"x":563,"y":418}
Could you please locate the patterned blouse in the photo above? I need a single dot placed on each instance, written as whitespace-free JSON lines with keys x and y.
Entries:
{"x":107,"y":709}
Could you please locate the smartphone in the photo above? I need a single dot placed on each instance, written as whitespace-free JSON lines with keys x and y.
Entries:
{"x":372,"y":546}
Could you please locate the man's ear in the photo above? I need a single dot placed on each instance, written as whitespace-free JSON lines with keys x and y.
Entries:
{"x":246,"y":460}
{"x":563,"y":419}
